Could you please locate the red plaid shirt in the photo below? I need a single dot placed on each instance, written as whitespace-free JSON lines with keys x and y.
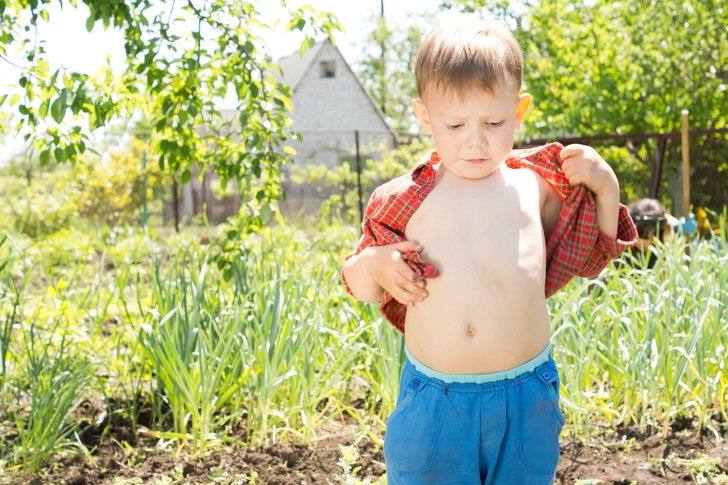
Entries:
{"x":576,"y":246}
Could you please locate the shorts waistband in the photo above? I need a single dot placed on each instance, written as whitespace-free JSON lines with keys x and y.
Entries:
{"x":481,"y":378}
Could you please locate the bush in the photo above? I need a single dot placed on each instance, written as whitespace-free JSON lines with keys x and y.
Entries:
{"x":46,"y":205}
{"x":113,"y":190}
{"x":343,"y":205}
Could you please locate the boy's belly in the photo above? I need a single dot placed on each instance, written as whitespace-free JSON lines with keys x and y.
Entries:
{"x":466,"y":327}
{"x":470,"y":325}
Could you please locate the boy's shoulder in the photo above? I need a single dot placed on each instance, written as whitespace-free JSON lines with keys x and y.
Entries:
{"x":547,"y":154}
{"x":394,"y":186}
{"x":407,"y":182}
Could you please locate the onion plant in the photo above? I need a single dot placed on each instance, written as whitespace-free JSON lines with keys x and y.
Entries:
{"x":300,"y":356}
{"x":191,"y":341}
{"x":9,"y":312}
{"x":54,"y":380}
{"x":646,"y":345}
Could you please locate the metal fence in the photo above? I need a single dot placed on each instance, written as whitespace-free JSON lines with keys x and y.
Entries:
{"x":661,"y":173}
{"x":657,"y":173}
{"x":330,"y":149}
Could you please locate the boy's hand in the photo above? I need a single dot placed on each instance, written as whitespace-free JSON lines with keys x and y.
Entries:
{"x":390,"y":271}
{"x":583,"y":165}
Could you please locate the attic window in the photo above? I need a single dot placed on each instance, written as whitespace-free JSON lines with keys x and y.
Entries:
{"x":328,"y":69}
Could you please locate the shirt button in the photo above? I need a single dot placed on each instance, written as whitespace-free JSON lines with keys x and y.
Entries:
{"x":546,"y":376}
{"x":415,"y":383}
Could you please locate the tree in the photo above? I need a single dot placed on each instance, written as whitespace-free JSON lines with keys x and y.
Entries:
{"x":604,"y":67}
{"x":179,"y":59}
{"x":390,"y":79}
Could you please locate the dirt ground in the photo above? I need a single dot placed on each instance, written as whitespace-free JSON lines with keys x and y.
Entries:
{"x":683,"y":456}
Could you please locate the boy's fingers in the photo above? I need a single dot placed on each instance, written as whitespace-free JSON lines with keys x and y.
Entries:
{"x":404,"y":289}
{"x":407,"y":246}
{"x":570,"y":151}
{"x":404,"y":297}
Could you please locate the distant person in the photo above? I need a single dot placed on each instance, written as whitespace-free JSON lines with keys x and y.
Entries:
{"x":653,"y":224}
{"x":493,"y":232}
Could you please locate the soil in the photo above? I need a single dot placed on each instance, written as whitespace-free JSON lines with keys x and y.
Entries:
{"x":625,"y":457}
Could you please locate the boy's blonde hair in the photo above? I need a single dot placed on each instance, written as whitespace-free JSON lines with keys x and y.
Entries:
{"x":459,"y":55}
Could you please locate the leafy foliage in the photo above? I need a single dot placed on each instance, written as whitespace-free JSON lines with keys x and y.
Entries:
{"x":42,"y":206}
{"x":112,"y":191}
{"x":344,"y":204}
{"x":52,"y":198}
{"x":386,"y":68}
{"x":179,"y":61}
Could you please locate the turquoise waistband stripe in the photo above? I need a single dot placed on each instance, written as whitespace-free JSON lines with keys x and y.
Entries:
{"x":481,"y":378}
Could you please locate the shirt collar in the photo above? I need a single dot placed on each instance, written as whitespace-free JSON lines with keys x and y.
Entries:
{"x":426,"y":167}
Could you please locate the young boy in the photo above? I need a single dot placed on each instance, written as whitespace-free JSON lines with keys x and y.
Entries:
{"x":462,"y":254}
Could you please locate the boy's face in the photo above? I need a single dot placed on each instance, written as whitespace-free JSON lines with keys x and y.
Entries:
{"x":473,"y":134}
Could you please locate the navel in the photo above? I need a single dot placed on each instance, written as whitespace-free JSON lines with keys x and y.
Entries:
{"x":471,"y":330}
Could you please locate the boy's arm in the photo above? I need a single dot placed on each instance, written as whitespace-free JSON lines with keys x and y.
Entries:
{"x":583,"y":165}
{"x":383,"y":260}
{"x":589,"y":225}
{"x":381,"y":268}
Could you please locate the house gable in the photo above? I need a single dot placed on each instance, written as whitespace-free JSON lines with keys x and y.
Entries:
{"x":337,"y":102}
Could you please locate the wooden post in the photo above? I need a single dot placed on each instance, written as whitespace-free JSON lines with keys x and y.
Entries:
{"x":175,"y":201}
{"x":358,"y":176}
{"x":685,"y":166}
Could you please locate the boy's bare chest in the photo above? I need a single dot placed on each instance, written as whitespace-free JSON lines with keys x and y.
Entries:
{"x":492,"y":224}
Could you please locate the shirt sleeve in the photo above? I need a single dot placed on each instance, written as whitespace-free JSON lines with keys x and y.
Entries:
{"x":607,"y":248}
{"x":578,"y":247}
{"x":369,"y":231}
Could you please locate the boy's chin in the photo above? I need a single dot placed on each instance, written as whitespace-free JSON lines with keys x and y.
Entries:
{"x":473,"y":170}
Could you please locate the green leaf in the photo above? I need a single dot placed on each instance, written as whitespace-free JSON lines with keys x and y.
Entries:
{"x":45,"y":156}
{"x":186,"y":176}
{"x":58,"y":110}
{"x":59,"y":154}
{"x":70,"y":152}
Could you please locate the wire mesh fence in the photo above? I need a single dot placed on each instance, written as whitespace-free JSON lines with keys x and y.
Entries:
{"x":647,"y":164}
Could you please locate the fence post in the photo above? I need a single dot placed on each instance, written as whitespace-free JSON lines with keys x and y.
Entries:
{"x":685,"y":165}
{"x":175,"y":199}
{"x":657,"y":166}
{"x":145,"y":214}
{"x":358,"y":175}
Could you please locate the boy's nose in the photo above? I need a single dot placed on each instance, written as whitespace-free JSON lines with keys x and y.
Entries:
{"x":478,"y":138}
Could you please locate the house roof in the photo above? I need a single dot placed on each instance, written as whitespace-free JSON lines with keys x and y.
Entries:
{"x":294,"y":66}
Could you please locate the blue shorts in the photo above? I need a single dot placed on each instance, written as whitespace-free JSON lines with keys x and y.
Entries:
{"x":500,"y":428}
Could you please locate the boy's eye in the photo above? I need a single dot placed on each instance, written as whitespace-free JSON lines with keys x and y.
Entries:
{"x":494,"y":123}
{"x":455,"y":126}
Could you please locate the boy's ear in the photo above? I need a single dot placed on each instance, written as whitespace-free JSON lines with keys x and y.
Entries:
{"x":421,"y":112}
{"x":524,"y":101}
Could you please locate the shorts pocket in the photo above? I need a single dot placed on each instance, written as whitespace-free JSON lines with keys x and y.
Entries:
{"x":553,"y":387}
{"x":405,"y":398}
{"x":413,"y":430}
{"x":539,"y":423}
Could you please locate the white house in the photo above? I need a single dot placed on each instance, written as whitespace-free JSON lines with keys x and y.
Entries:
{"x":331,"y":111}
{"x":330,"y":105}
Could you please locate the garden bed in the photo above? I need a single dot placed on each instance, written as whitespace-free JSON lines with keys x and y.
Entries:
{"x":627,"y":456}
